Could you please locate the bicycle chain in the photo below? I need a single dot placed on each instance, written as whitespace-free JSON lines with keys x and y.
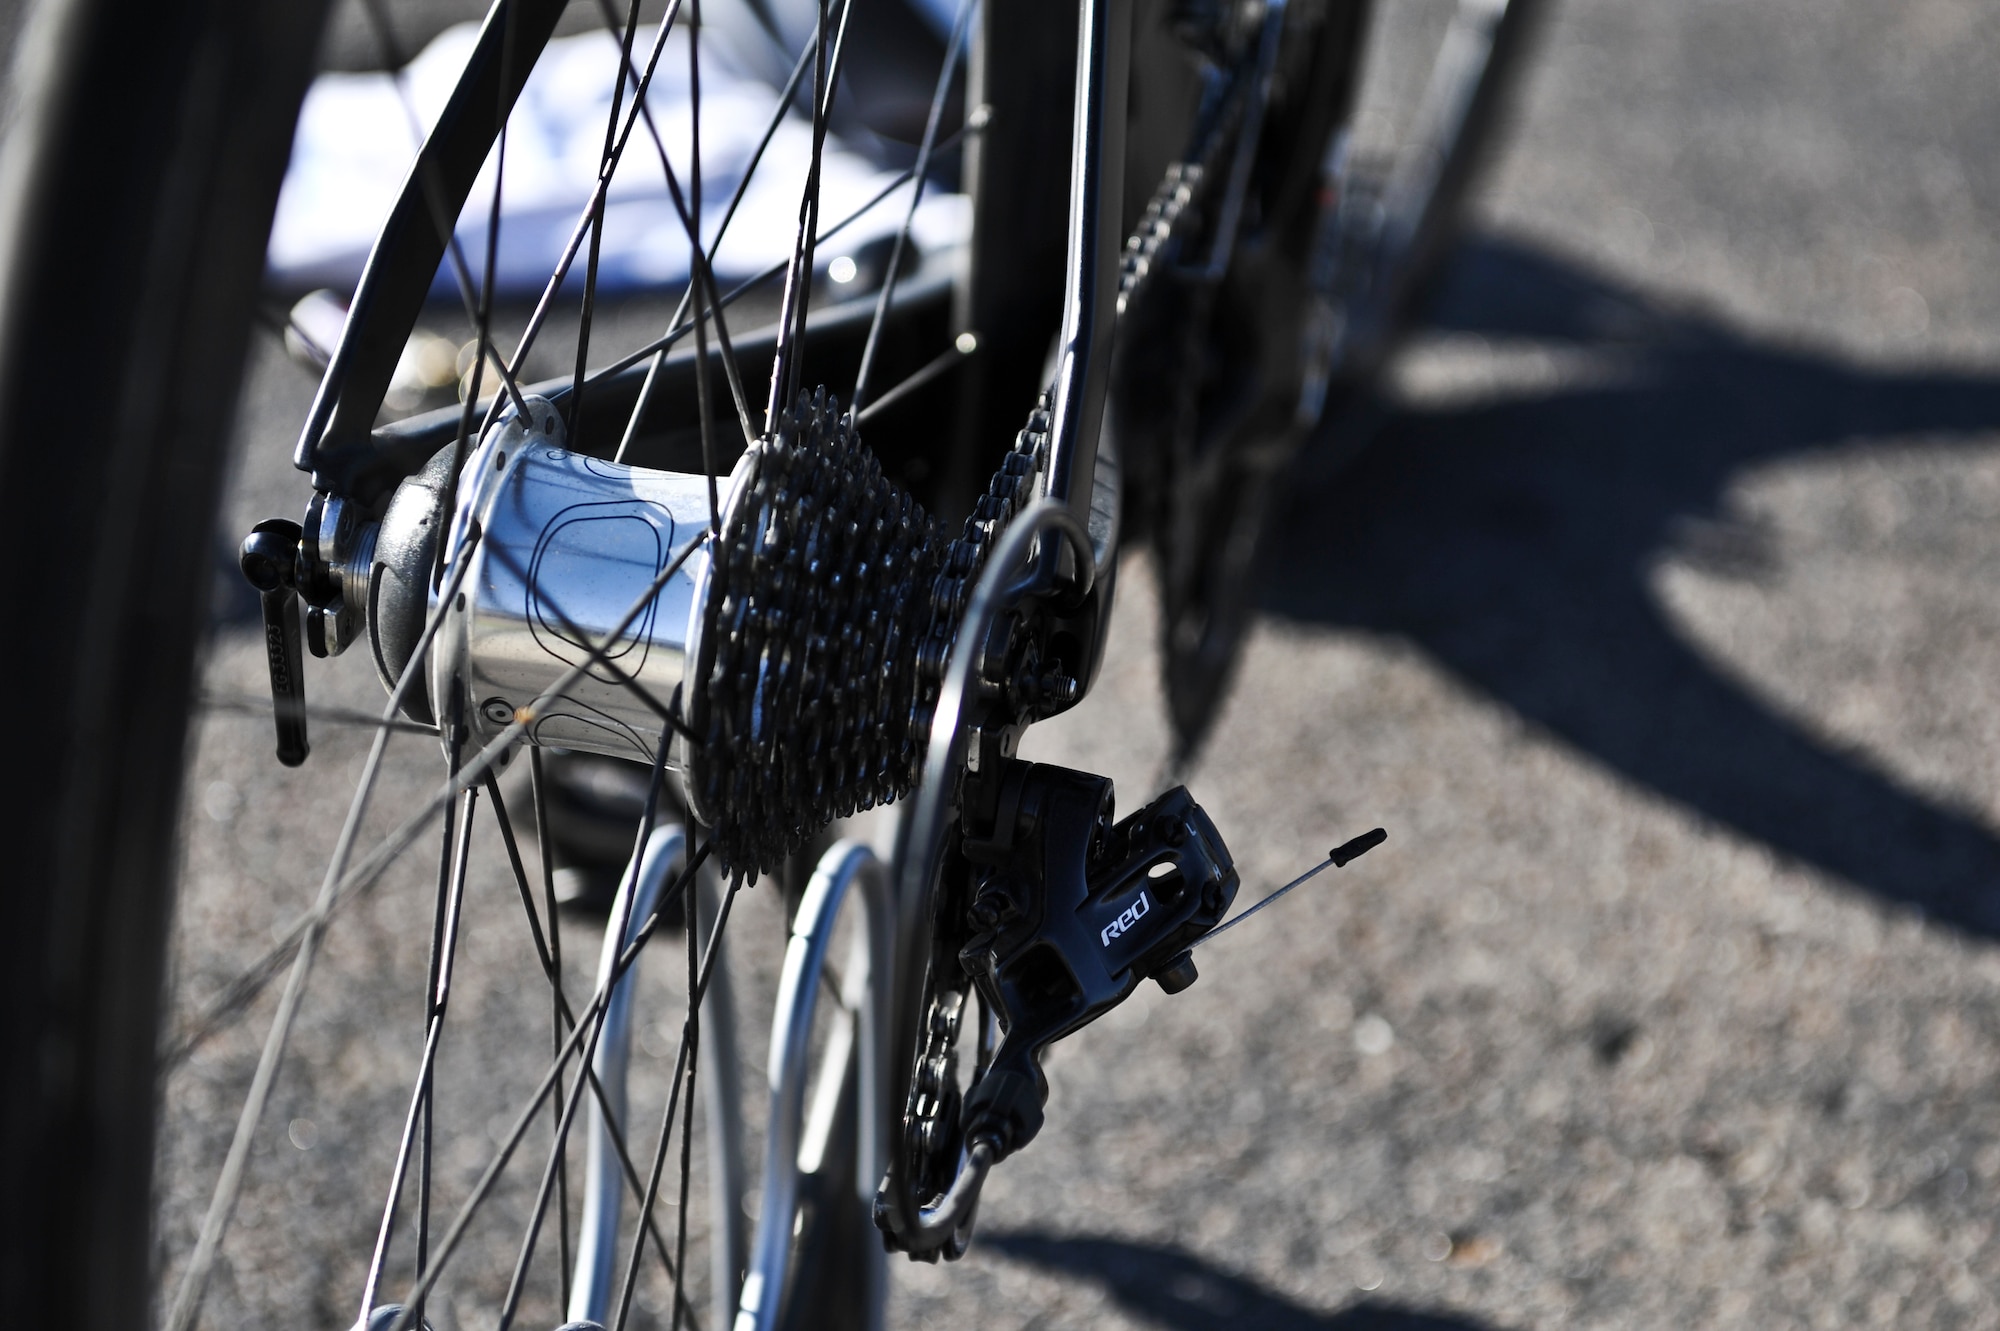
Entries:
{"x":1182,"y":188}
{"x":931,"y":1130}
{"x":1011,"y":486}
{"x":1164,"y":211}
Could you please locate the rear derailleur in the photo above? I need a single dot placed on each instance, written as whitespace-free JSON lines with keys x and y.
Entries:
{"x":1057,"y":914}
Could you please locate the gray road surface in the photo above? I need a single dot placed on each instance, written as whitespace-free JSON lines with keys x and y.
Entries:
{"x":1660,"y":627}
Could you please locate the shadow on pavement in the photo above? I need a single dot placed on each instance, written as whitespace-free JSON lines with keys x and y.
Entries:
{"x":1511,"y":539}
{"x":1174,"y":1288}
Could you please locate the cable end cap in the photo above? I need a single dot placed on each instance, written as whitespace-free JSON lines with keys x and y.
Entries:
{"x":1342,"y":854}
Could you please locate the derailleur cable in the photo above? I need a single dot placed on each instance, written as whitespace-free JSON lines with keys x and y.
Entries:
{"x":1337,"y":858}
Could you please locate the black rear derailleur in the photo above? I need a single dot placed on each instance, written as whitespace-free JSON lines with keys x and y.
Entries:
{"x":1069,"y":912}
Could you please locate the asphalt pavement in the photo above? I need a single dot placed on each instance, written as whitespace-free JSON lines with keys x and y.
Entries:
{"x":1658,"y":623}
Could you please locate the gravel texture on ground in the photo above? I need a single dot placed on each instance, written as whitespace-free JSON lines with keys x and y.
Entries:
{"x":1658,"y":627}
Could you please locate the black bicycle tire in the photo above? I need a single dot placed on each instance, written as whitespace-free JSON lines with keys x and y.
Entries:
{"x":1230,"y":531}
{"x":131,"y":247}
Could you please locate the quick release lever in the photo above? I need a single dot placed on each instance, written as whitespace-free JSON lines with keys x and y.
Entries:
{"x":270,"y":560}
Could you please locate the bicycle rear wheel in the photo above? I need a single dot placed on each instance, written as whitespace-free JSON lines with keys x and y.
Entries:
{"x":133,"y":251}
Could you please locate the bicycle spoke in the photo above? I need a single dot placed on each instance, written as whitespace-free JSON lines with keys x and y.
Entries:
{"x":968,"y":343}
{"x":325,"y":716}
{"x":749,"y":284}
{"x":558,"y":1007}
{"x":687,"y":1137}
{"x":605,"y":168}
{"x":683,"y":1059}
{"x":404,"y":1143}
{"x":786,"y":364}
{"x":483,"y":318}
{"x":334,"y":887}
{"x":451,"y":891}
{"x":552,"y":970}
{"x":579,"y":233}
{"x":617,"y":925}
{"x":692,"y":218}
{"x":701,"y":278}
{"x":444,"y":948}
{"x":544,"y":953}
{"x":920,"y":170}
{"x":777,"y":120}
{"x":584,"y":1037}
